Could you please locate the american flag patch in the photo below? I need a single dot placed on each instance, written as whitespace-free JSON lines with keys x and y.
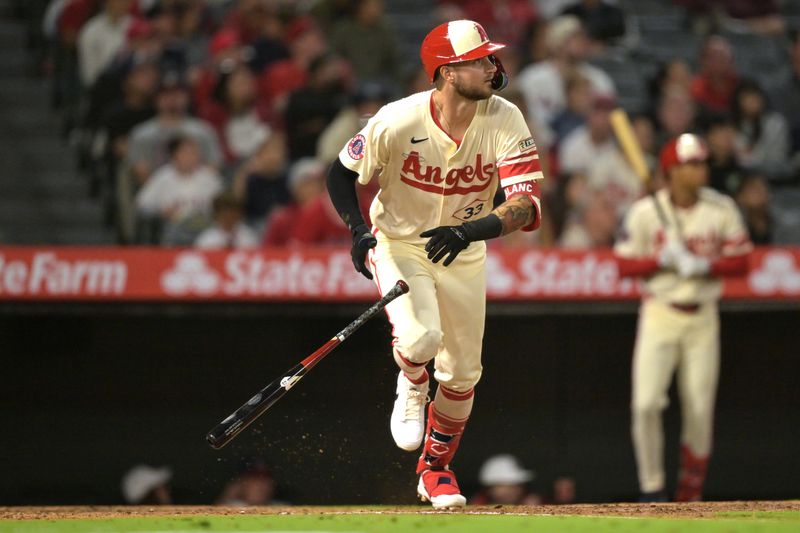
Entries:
{"x":527,"y":143}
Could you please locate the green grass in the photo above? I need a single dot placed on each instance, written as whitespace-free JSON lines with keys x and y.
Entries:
{"x":416,"y":523}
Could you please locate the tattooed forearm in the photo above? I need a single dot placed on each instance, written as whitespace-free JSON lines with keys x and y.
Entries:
{"x":515,"y":213}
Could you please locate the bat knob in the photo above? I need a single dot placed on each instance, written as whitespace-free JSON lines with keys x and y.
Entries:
{"x":367,"y":241}
{"x":403,"y":286}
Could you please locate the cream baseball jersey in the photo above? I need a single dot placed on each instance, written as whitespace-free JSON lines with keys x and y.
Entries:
{"x":427,"y":179}
{"x":711,"y":228}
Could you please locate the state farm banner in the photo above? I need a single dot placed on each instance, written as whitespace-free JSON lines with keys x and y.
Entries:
{"x":326,"y":275}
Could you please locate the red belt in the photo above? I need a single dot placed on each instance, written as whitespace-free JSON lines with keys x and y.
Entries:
{"x":686,"y":308}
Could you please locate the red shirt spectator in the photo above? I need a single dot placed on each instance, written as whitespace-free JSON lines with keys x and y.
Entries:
{"x":318,"y":223}
{"x":226,"y":49}
{"x":505,"y":20}
{"x":713,"y":87}
{"x":305,"y":42}
{"x":74,"y":15}
{"x":280,"y":226}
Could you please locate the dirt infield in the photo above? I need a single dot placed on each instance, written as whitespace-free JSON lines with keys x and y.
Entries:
{"x":669,"y":510}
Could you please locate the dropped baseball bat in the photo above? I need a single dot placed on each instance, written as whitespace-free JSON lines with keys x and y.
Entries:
{"x":623,"y":131}
{"x":229,"y":428}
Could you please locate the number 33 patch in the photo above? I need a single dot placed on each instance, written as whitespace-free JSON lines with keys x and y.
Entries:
{"x":470,"y":211}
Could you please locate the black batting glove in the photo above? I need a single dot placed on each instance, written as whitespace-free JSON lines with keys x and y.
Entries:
{"x":445,"y":241}
{"x":363,"y":241}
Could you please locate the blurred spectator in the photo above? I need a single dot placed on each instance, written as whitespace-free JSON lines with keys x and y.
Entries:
{"x":534,"y":44}
{"x":612,"y":175}
{"x":367,"y":100}
{"x":101,"y":38}
{"x":180,"y":193}
{"x":714,"y":84}
{"x":67,"y":19}
{"x":149,"y":140}
{"x":785,"y":94}
{"x":312,"y":107}
{"x":305,"y":43}
{"x":141,"y":47}
{"x":645,"y":130}
{"x":594,"y":226}
{"x":588,"y":143}
{"x":543,"y":83}
{"x":724,"y":171}
{"x":676,"y":114}
{"x":238,"y":117}
{"x":505,"y":482}
{"x":762,"y":139}
{"x":579,"y":105}
{"x":603,"y":22}
{"x":255,"y":485}
{"x":136,"y":106}
{"x":367,"y":42}
{"x":563,"y":490}
{"x":760,"y":16}
{"x":505,"y":20}
{"x":754,"y":202}
{"x":417,"y":82}
{"x":253,"y":20}
{"x":190,"y":19}
{"x":227,"y":231}
{"x":306,"y":183}
{"x":329,"y":13}
{"x":673,"y":74}
{"x":261,"y":182}
{"x":550,"y":9}
{"x":565,"y":202}
{"x":147,"y":485}
{"x":310,"y":218}
{"x":225,"y":53}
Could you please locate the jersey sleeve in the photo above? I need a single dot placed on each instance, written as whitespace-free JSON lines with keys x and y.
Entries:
{"x":368,"y":150}
{"x":518,"y":164}
{"x":633,"y":240}
{"x":735,"y":240}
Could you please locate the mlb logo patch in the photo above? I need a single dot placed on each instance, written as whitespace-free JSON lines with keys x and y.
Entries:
{"x":527,"y":143}
{"x":355,"y":148}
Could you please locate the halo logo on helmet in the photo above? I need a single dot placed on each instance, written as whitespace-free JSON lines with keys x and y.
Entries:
{"x":460,"y":40}
{"x":683,"y":149}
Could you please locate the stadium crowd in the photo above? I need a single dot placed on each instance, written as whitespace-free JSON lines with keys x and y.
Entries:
{"x":212,"y":122}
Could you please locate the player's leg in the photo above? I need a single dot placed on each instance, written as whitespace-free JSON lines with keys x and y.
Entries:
{"x":416,"y":331}
{"x":697,"y":385}
{"x":654,"y":359}
{"x":462,"y":307}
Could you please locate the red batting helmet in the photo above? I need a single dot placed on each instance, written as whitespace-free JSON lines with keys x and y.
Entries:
{"x":683,"y":149}
{"x":459,"y":40}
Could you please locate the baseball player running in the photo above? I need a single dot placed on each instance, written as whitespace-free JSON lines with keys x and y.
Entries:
{"x":439,"y":156}
{"x":682,"y":241}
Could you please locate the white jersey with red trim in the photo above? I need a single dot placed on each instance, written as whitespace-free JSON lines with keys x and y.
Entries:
{"x":428,"y":179}
{"x":711,"y":228}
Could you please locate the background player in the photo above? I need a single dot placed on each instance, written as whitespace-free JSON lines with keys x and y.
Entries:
{"x":439,"y":156}
{"x":704,"y":239}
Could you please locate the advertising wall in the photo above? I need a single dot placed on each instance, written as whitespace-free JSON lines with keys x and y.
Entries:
{"x":326,"y":275}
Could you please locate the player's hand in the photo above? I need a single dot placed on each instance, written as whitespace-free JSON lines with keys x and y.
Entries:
{"x":669,"y":253}
{"x":445,"y":240}
{"x":689,"y":265}
{"x":363,"y":241}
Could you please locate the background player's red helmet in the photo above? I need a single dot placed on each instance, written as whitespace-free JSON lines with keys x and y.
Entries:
{"x":683,"y":149}
{"x":459,"y":40}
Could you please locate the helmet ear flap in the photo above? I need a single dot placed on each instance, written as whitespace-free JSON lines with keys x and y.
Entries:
{"x":500,"y":80}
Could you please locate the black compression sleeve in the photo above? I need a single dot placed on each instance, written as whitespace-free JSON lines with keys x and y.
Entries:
{"x":488,"y":227}
{"x":342,"y":189}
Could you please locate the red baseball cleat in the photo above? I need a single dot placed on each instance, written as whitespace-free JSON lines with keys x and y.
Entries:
{"x":691,"y":477}
{"x":441,"y":489}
